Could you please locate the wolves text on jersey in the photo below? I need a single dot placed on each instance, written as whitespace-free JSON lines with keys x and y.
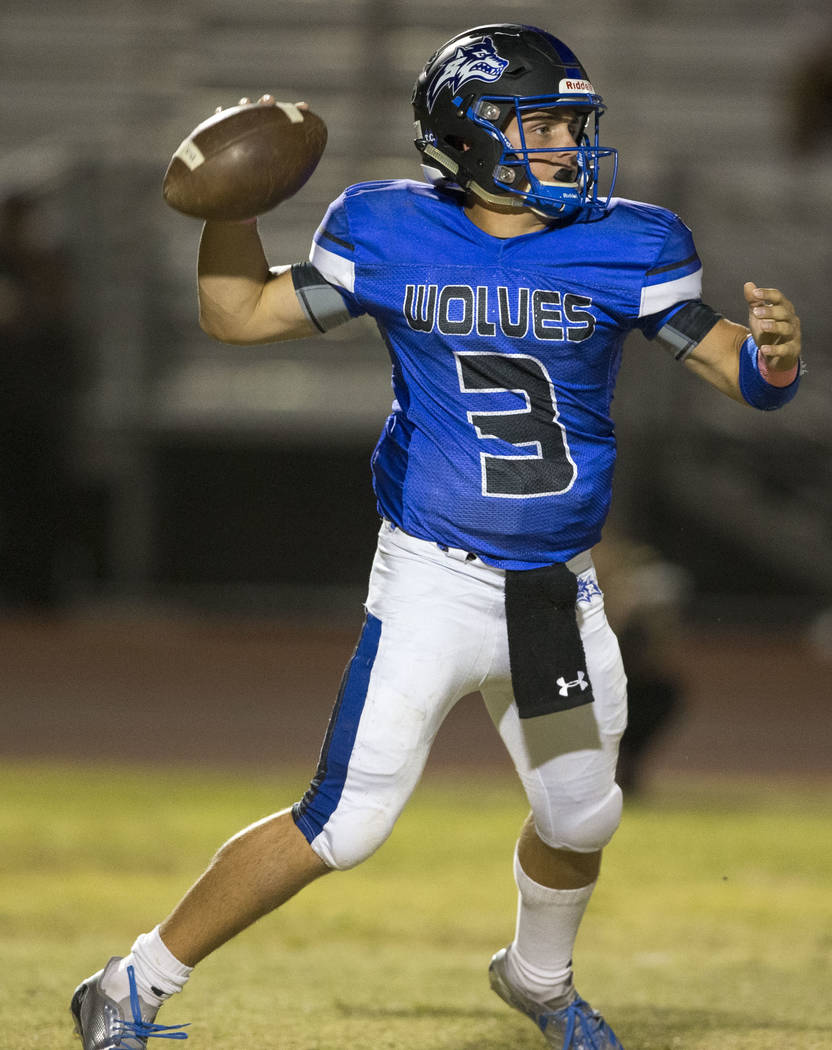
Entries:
{"x":459,"y":309}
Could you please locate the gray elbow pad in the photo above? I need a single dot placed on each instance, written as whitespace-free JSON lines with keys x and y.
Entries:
{"x":687,"y":328}
{"x":322,"y":303}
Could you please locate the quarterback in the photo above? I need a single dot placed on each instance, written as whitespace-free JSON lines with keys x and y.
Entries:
{"x":503,"y":285}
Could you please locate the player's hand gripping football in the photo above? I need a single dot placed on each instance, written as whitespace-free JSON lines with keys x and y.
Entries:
{"x":774,"y":325}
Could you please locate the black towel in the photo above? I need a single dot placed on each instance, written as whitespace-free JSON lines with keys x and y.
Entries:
{"x":548,"y":663}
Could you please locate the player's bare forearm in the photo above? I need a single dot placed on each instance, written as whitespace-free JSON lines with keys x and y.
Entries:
{"x":240,"y":301}
{"x":716,"y":358}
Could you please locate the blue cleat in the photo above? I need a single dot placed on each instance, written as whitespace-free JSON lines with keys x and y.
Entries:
{"x":104,"y":1024}
{"x":567,"y":1024}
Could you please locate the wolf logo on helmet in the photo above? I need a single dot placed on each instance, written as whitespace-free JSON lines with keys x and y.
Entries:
{"x":475,"y":61}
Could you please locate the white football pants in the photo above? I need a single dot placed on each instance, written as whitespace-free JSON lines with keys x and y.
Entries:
{"x":435,"y":630}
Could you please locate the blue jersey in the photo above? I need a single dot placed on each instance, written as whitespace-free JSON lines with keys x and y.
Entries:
{"x":505,"y":354}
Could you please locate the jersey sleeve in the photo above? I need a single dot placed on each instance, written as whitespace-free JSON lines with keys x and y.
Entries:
{"x":673,"y":278}
{"x":333,"y":254}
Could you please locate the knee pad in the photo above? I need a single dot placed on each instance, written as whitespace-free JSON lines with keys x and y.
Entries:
{"x":348,"y":838}
{"x":582,"y":827}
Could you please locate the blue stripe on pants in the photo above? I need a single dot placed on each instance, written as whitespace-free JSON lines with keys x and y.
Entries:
{"x":324,"y":793}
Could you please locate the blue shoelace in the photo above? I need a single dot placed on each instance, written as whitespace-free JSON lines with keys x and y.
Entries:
{"x":581,"y":1016}
{"x":139,"y":1029}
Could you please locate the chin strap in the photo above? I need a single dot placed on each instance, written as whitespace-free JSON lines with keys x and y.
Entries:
{"x":447,"y":171}
{"x":446,"y":164}
{"x":502,"y":200}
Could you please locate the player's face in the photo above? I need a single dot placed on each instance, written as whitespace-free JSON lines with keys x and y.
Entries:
{"x":558,"y":128}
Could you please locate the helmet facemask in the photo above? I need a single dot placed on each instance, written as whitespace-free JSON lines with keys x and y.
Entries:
{"x":573,"y":187}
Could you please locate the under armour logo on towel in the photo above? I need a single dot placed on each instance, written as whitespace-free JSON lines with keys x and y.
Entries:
{"x":566,"y":686}
{"x":544,"y":641}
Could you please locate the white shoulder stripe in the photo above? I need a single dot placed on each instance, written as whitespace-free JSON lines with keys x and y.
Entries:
{"x":335,"y":268}
{"x":658,"y":297}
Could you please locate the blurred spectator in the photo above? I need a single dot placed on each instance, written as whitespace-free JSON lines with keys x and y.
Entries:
{"x":644,"y":596}
{"x":38,"y":379}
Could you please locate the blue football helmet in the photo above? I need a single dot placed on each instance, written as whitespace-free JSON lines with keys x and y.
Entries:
{"x":467,"y":95}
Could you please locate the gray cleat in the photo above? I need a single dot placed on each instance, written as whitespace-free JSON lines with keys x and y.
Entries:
{"x":104,"y":1024}
{"x":568,"y":1023}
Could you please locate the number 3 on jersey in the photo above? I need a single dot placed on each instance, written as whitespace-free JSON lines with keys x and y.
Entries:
{"x":543,"y":465}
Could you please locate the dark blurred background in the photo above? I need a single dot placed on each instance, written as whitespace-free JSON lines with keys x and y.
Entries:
{"x":143,"y":463}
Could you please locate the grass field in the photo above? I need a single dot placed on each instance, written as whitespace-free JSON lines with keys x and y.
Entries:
{"x":712,"y":926}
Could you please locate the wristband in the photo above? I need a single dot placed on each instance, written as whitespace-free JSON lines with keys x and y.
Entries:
{"x":755,"y":390}
{"x":772,"y":377}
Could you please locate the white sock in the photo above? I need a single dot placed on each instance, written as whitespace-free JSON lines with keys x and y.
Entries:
{"x":539,"y":959}
{"x":158,"y":973}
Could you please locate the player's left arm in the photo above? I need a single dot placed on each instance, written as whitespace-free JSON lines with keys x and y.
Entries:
{"x":758,"y":364}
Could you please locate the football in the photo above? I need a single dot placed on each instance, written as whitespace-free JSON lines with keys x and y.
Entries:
{"x":245,"y":160}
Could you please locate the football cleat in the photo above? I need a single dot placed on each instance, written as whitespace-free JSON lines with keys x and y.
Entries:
{"x":568,"y":1023}
{"x":105,"y":1024}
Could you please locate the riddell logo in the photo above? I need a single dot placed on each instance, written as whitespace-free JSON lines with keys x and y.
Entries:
{"x":576,"y":85}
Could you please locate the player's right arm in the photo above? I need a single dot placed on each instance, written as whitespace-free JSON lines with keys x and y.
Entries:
{"x":240,"y":300}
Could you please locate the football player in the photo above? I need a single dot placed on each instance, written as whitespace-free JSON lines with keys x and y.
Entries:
{"x":504,"y":286}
